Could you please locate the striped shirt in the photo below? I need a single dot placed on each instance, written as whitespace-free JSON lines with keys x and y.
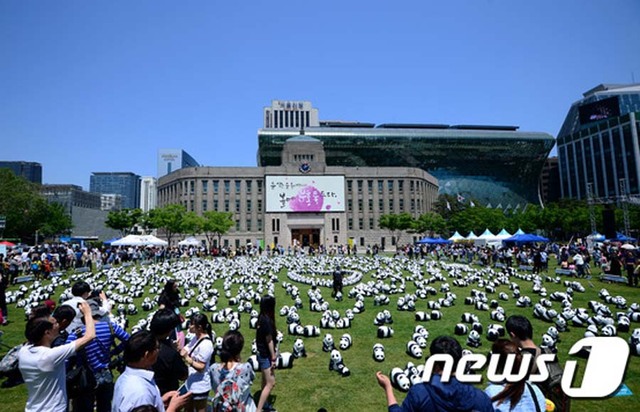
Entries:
{"x":99,"y":350}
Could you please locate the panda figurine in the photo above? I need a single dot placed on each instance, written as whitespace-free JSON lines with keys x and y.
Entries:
{"x":385,"y":332}
{"x":378,"y":352}
{"x":345,"y":342}
{"x":399,"y":380}
{"x":327,"y":343}
{"x":284,"y":360}
{"x":336,"y":363}
{"x":299,"y":350}
{"x":473,"y":339}
{"x":414,"y":350}
{"x":634,"y":342}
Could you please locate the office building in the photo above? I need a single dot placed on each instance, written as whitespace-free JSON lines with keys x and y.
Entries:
{"x":110,"y":201}
{"x":550,"y":181}
{"x":148,"y":193}
{"x":598,"y":144}
{"x":170,"y":160}
{"x":31,"y":171}
{"x":284,"y":114}
{"x":489,"y":165}
{"x":125,"y":184}
{"x":303,"y":201}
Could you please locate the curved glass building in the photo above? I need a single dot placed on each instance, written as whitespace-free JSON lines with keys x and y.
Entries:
{"x":494,"y":165}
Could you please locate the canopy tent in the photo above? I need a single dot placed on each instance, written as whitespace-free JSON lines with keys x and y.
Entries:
{"x":487,"y":235}
{"x":110,"y":241}
{"x":150,"y":240}
{"x":596,"y":237}
{"x":129,"y":240}
{"x":487,"y":239}
{"x":190,"y":241}
{"x":503,"y":234}
{"x":433,"y":241}
{"x":525,"y":238}
{"x":471,"y":236}
{"x":621,"y":237}
{"x":456,"y":237}
{"x":7,"y":243}
{"x":519,"y":232}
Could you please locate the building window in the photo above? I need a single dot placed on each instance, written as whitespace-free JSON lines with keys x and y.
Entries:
{"x":259,"y":205}
{"x":361,"y":241}
{"x":335,"y":239}
{"x":226,"y":205}
{"x":205,"y":186}
{"x":226,"y":186}
{"x":215,"y":186}
{"x":359,"y":186}
{"x":275,"y":225}
{"x":247,"y":184}
{"x":370,"y":223}
{"x":204,"y":205}
{"x":411,"y":185}
{"x":248,"y":225}
{"x":248,"y":205}
{"x":215,"y":204}
{"x":370,"y":205}
{"x":413,"y":205}
{"x":237,"y":226}
{"x":349,"y":205}
{"x":192,"y":185}
{"x":390,"y":185}
{"x":238,"y":205}
{"x":360,"y":223}
{"x":237,"y":186}
{"x":380,"y":184}
{"x":259,"y":225}
{"x":335,"y":224}
{"x":370,"y":186}
{"x":393,"y":240}
{"x":400,"y":186}
{"x":191,"y":205}
{"x":360,"y":205}
{"x":349,"y":185}
{"x":390,"y":205}
{"x":380,"y":205}
{"x":259,"y":184}
{"x":350,"y":224}
{"x":401,"y":204}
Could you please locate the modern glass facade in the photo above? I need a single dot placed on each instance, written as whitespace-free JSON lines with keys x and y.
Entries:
{"x":170,"y":160}
{"x":29,"y":170}
{"x":125,"y":184}
{"x":598,"y":144}
{"x":493,"y":165}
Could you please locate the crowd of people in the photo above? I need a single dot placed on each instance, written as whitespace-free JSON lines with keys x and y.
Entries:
{"x":153,"y":364}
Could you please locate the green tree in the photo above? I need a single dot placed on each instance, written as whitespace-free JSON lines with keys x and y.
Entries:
{"x":57,"y":222}
{"x":396,"y":224}
{"x":192,"y":223}
{"x":169,"y":218}
{"x":216,"y":224}
{"x":24,"y":208}
{"x":430,"y":223}
{"x":123,"y":220}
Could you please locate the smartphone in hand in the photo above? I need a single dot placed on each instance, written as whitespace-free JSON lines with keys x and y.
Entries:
{"x":183,"y":389}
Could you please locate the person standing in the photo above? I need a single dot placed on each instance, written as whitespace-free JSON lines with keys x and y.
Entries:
{"x":630,"y":266}
{"x":80,"y":291}
{"x":198,"y":354}
{"x":337,"y":281}
{"x":135,"y":387}
{"x":265,"y":342}
{"x":232,"y":368}
{"x":520,"y":396}
{"x":43,"y":367}
{"x":436,"y":395}
{"x":521,"y":333}
{"x":169,"y":368}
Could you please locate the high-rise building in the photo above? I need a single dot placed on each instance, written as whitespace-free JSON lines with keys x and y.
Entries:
{"x":148,"y":193}
{"x":126,"y":184}
{"x":598,"y":144}
{"x":31,"y":171}
{"x":285,"y":114}
{"x":110,"y":201}
{"x":550,"y":181}
{"x":170,"y":160}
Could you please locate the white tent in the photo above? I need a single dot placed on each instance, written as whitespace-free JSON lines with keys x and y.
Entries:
{"x":190,"y":241}
{"x":472,"y":236}
{"x":150,"y":240}
{"x":129,"y":240}
{"x":456,"y":237}
{"x":519,"y":232}
{"x":487,"y":239}
{"x":487,"y":235}
{"x":503,"y":234}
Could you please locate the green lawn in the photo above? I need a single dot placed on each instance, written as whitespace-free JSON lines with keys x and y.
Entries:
{"x":309,"y":385}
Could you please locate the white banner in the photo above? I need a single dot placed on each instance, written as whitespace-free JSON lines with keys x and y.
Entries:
{"x":305,"y":193}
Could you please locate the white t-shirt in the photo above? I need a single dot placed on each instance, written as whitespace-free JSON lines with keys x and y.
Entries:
{"x":200,"y":382}
{"x":77,"y":321}
{"x":43,"y":371}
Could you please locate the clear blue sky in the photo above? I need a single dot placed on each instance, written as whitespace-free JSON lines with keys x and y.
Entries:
{"x":98,"y":86}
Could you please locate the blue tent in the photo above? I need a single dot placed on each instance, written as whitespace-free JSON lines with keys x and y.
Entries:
{"x":108,"y":242}
{"x":433,"y":241}
{"x":620,"y":237}
{"x":525,"y":238}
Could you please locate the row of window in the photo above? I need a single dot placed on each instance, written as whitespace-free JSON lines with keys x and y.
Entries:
{"x":413,"y":185}
{"x":190,"y":186}
{"x":414,"y":203}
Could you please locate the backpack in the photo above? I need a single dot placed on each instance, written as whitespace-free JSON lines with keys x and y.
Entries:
{"x":228,"y":397}
{"x":552,"y":387}
{"x":10,"y":361}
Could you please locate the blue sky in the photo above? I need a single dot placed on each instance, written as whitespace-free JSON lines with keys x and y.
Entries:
{"x":101,"y":86}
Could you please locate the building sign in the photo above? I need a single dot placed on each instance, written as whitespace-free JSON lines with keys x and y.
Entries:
{"x":305,"y":193}
{"x":600,"y":110}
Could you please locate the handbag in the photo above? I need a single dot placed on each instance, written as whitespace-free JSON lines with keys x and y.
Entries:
{"x":80,"y":378}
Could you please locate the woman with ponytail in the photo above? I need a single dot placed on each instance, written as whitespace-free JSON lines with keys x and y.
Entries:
{"x":231,"y":379}
{"x":266,"y":345}
{"x":520,"y":396}
{"x":197,"y":354}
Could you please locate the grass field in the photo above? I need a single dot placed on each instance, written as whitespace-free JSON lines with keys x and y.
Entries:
{"x":309,"y":385}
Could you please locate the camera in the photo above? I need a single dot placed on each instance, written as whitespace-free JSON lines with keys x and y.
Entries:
{"x":117,"y":363}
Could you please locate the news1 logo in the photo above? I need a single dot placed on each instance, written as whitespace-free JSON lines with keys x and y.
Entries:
{"x":603,"y":373}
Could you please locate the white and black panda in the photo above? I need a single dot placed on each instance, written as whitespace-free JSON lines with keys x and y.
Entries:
{"x":299,"y":350}
{"x":461,"y":329}
{"x":473,"y":339}
{"x":345,"y":342}
{"x":609,"y":330}
{"x":284,"y":360}
{"x":253,"y":361}
{"x":336,"y":363}
{"x":436,"y":315}
{"x":327,"y":343}
{"x":414,"y":350}
{"x":422,"y":316}
{"x":311,"y":331}
{"x":634,"y":342}
{"x":378,"y":352}
{"x":399,"y":380}
{"x":385,"y":332}
{"x":379,"y":320}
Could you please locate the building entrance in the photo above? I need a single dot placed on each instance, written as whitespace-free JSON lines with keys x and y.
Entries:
{"x":306,"y":237}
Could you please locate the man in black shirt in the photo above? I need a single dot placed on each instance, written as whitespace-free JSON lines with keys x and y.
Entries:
{"x":169,"y":369}
{"x":337,"y":281}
